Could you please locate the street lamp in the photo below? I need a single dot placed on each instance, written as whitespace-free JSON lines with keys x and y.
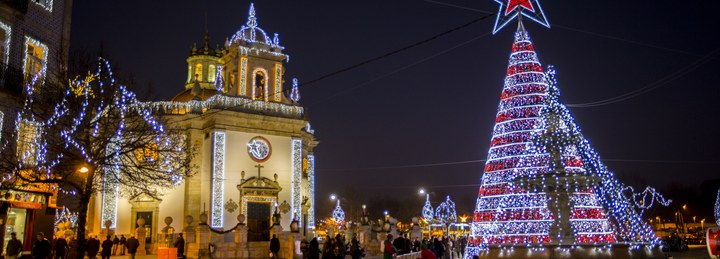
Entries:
{"x":421,"y":191}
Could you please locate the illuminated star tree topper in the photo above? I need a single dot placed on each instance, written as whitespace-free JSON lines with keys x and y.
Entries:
{"x":511,"y":9}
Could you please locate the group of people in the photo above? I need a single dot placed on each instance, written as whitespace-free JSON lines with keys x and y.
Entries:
{"x":333,"y":248}
{"x":444,"y":247}
{"x":61,"y":248}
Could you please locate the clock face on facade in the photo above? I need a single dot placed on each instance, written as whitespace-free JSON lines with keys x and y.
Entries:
{"x":259,"y":149}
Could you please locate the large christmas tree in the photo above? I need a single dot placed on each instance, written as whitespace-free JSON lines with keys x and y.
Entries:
{"x":506,"y":213}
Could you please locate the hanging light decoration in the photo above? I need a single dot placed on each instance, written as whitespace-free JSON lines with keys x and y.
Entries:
{"x":338,"y":215}
{"x":427,"y":210}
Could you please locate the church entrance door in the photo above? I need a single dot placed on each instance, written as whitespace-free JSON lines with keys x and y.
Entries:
{"x":258,"y":221}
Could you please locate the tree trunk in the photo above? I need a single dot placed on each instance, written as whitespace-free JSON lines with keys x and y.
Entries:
{"x":85,"y":195}
{"x":81,"y":222}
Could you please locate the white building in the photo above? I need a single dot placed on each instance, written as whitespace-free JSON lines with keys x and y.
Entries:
{"x":255,"y":145}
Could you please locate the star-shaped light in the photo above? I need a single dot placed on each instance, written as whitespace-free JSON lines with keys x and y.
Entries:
{"x":510,"y":9}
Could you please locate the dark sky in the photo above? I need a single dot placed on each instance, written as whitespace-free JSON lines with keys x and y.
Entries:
{"x":436,"y":103}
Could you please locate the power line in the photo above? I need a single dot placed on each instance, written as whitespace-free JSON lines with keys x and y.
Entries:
{"x":363,"y":84}
{"x":431,"y":38}
{"x":368,"y":61}
{"x":652,"y":86}
{"x":579,"y":30}
{"x":452,"y":163}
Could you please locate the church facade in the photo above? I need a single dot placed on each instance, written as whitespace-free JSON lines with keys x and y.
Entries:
{"x":255,"y":146}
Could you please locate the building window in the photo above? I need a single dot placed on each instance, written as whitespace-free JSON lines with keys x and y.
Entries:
{"x":47,"y":4}
{"x":259,"y":85}
{"x":28,"y":143}
{"x":211,"y":73}
{"x":198,"y":72}
{"x":35,"y":62}
{"x":5,"y":34}
{"x":147,"y":154}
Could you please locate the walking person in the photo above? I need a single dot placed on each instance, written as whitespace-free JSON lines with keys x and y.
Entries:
{"x":355,"y":249}
{"x":314,"y":249}
{"x":14,"y":247}
{"x":60,"y":248}
{"x":388,"y":249}
{"x":106,"y":248}
{"x":72,"y":248}
{"x":93,"y":247}
{"x":132,"y":246}
{"x":275,"y":246}
{"x":399,"y":245}
{"x":116,"y":244}
{"x":180,"y":245}
{"x":122,"y":244}
{"x":41,"y":247}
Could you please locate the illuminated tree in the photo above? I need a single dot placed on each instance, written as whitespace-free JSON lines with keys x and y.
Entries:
{"x":91,"y":135}
{"x":506,"y":213}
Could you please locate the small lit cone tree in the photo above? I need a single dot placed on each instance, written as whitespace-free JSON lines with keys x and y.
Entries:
{"x":91,"y":135}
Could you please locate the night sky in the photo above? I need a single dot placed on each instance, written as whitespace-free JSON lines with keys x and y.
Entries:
{"x":423,"y":117}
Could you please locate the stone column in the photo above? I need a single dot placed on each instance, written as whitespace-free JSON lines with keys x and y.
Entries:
{"x":107,"y":231}
{"x":203,"y":237}
{"x":191,"y":247}
{"x":295,"y":239}
{"x":365,"y":235}
{"x":140,"y":235}
{"x":167,"y":232}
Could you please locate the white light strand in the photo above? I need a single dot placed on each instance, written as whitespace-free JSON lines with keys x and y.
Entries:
{"x":219,"y":101}
{"x":295,"y":92}
{"x":218,"y":177}
{"x":311,"y":191}
{"x":296,"y":181}
{"x":717,"y":209}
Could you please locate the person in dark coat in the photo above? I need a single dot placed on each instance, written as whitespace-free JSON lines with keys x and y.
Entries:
{"x":407,"y":247}
{"x":275,"y":246}
{"x":355,"y":250}
{"x":132,"y":246}
{"x":14,"y":247}
{"x":122,"y":244}
{"x":41,"y":247}
{"x":60,"y":248}
{"x":399,"y":244}
{"x":116,"y":245}
{"x":180,"y":245}
{"x":93,"y":247}
{"x":439,"y":248}
{"x":314,"y":249}
{"x":106,"y":248}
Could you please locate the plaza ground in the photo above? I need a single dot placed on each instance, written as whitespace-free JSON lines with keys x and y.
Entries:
{"x":695,"y":252}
